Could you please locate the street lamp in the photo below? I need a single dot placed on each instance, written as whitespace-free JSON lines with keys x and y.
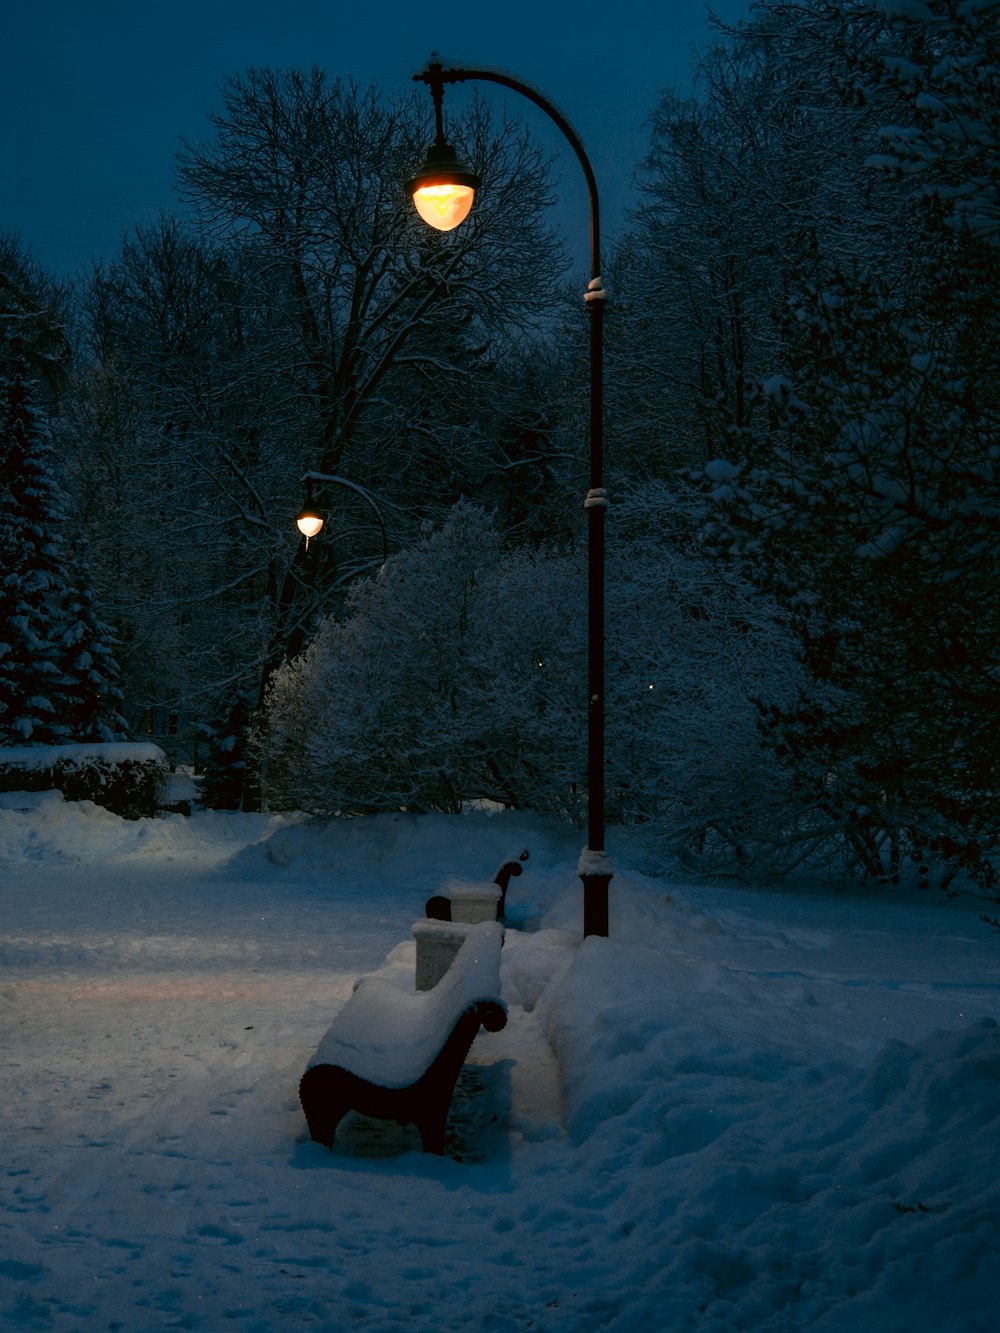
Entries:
{"x":442,"y":190}
{"x":444,"y":186}
{"x":309,"y":520}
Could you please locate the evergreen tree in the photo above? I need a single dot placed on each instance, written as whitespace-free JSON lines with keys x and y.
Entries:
{"x":32,"y":679}
{"x":34,"y":306}
{"x":224,"y":769}
{"x":57,"y":674}
{"x":93,"y":690}
{"x":864,"y":492}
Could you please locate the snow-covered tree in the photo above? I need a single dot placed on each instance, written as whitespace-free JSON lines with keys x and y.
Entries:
{"x":691,"y":649}
{"x":864,"y":493}
{"x":758,"y":167}
{"x":32,"y":679}
{"x":34,"y":311}
{"x":93,"y":693}
{"x":432,"y":691}
{"x":938,"y":61}
{"x":58,"y":679}
{"x":302,"y":320}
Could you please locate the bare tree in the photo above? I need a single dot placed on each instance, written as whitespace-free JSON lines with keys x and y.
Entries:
{"x":305,"y":321}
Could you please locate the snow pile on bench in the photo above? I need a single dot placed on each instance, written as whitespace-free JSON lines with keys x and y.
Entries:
{"x":438,"y":943}
{"x":472,"y":900}
{"x":390,"y":1037}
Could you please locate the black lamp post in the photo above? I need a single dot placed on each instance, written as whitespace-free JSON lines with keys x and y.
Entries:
{"x":442,"y":191}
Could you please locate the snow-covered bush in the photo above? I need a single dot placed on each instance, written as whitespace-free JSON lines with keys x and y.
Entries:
{"x":692,"y":650}
{"x":125,"y":778}
{"x":459,"y":673}
{"x":450,"y":679}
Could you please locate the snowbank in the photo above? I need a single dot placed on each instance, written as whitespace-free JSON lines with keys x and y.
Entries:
{"x":746,"y":1109}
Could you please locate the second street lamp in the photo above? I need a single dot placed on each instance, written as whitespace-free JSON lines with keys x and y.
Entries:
{"x":442,"y":190}
{"x":310,"y":520}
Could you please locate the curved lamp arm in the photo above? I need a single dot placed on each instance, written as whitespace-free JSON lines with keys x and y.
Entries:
{"x":435,"y":76}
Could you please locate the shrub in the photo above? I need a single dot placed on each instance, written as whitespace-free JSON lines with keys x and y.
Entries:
{"x":126,"y":779}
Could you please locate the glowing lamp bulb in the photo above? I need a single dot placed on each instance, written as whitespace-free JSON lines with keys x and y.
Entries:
{"x":443,"y":206}
{"x":443,"y":188}
{"x":308,"y":523}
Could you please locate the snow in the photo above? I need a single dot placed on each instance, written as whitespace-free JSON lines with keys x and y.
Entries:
{"x":595,"y":862}
{"x":46,"y":756}
{"x":764,"y":1108}
{"x":719,"y":470}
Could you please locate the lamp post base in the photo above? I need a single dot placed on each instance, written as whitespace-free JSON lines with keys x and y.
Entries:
{"x":595,"y":900}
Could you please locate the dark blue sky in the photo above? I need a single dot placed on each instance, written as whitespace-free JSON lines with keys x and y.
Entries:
{"x":96,"y":93}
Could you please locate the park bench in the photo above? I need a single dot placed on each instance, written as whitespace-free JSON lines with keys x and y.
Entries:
{"x":465,"y":900}
{"x":450,"y":914}
{"x":396,"y":1055}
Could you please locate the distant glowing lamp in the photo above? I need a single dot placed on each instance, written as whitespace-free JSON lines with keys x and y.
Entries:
{"x":309,"y":522}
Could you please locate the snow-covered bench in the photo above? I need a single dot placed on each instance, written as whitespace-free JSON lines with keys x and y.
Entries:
{"x":465,"y":900}
{"x":396,"y":1055}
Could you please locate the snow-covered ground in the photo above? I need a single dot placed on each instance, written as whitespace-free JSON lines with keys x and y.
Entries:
{"x":747,"y":1109}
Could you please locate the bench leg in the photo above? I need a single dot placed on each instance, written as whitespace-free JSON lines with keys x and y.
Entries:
{"x":433,"y":1093}
{"x":323,"y":1110}
{"x":432,"y":1125}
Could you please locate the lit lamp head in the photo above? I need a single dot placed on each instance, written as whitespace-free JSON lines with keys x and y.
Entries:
{"x":309,"y":522}
{"x":443,"y":188}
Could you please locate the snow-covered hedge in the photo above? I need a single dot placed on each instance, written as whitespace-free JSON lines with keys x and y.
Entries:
{"x":125,"y":778}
